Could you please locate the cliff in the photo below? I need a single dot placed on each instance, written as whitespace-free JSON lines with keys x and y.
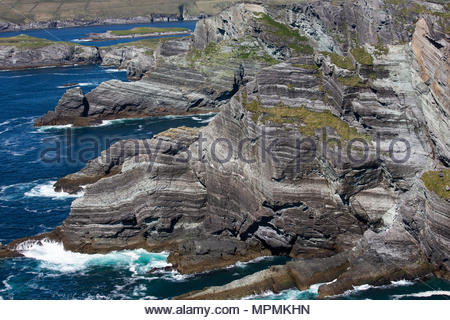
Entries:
{"x":176,"y":77}
{"x":337,"y":157}
{"x":23,"y":52}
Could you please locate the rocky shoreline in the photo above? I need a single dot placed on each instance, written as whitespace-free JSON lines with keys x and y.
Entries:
{"x":110,"y":36}
{"x":268,"y":175}
{"x":57,"y":24}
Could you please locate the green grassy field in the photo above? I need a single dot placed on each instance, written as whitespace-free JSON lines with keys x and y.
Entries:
{"x":21,"y":11}
{"x":27,"y":42}
{"x":437,"y":181}
{"x":145,"y":30}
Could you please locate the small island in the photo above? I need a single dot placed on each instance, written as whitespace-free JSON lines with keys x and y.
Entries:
{"x":139,"y":32}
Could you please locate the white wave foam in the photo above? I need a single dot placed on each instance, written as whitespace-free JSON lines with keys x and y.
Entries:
{"x":81,"y":40}
{"x":56,"y":127}
{"x":6,"y":284}
{"x":207,"y":120}
{"x":240,"y":264}
{"x":105,"y":123}
{"x":139,"y":290}
{"x":175,"y":116}
{"x":6,"y":130}
{"x":46,"y":190}
{"x":115,"y":70}
{"x":401,"y":283}
{"x":19,"y":76}
{"x":365,"y":287}
{"x":53,"y":256}
{"x":45,"y":67}
{"x":426,"y":294}
{"x":290,"y":294}
{"x":265,"y":294}
{"x":208,"y":114}
{"x":81,"y":84}
{"x":178,"y":277}
{"x":4,"y":123}
{"x":197,"y":119}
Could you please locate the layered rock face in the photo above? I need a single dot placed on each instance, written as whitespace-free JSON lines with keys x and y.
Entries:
{"x":318,"y":157}
{"x":432,"y":49}
{"x":137,"y":61}
{"x":8,"y":26}
{"x":176,"y":77}
{"x":32,"y":52}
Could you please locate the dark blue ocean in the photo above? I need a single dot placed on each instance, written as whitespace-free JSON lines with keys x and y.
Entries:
{"x":76,"y":34}
{"x":29,"y":206}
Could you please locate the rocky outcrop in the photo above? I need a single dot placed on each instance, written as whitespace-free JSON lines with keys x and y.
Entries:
{"x":72,"y":106}
{"x":23,"y":52}
{"x":6,"y":253}
{"x":300,"y":274}
{"x":274,"y":279}
{"x":9,"y":26}
{"x":431,"y":49}
{"x":175,"y":77}
{"x":296,"y":163}
{"x":135,"y":60}
{"x":234,"y":23}
{"x":316,"y":208}
{"x":109,"y":35}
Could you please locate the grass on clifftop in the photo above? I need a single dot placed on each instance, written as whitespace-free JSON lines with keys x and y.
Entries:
{"x":380,"y":48}
{"x":407,"y":12}
{"x":362,"y":56}
{"x":286,"y":35}
{"x":306,"y":120}
{"x":354,"y":81}
{"x":150,"y":44}
{"x":27,"y":42}
{"x":214,"y":54}
{"x":340,"y":61}
{"x":437,"y":181}
{"x":146,"y":30}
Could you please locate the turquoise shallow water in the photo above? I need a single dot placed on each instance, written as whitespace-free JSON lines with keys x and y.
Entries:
{"x":28,"y":205}
{"x":430,"y":289}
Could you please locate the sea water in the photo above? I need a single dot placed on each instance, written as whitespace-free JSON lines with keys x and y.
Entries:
{"x":29,"y":205}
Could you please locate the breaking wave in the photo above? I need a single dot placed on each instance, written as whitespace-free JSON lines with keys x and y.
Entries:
{"x":81,"y":84}
{"x":290,"y":294}
{"x":365,"y":287}
{"x":81,"y":40}
{"x":115,"y":70}
{"x":426,"y":294}
{"x":38,"y":188}
{"x":46,"y":190}
{"x":53,"y":256}
{"x":240,"y":264}
{"x":55,"y":127}
{"x":207,"y":120}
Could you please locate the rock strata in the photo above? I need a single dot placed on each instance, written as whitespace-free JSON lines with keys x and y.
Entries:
{"x":175,"y":77}
{"x":9,"y":26}
{"x":23,"y":52}
{"x":318,"y":156}
{"x":136,"y":61}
